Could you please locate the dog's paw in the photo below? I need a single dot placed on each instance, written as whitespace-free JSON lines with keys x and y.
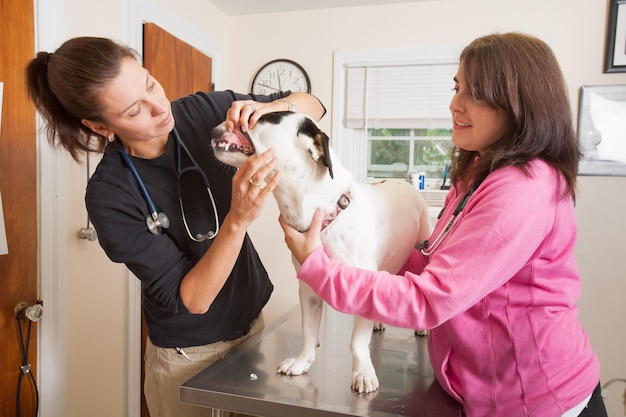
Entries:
{"x":379,"y":327}
{"x":294,"y":366}
{"x":421,"y":332}
{"x":364,"y":382}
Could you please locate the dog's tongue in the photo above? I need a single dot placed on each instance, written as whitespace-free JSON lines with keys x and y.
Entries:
{"x":235,"y":142}
{"x":236,"y":138}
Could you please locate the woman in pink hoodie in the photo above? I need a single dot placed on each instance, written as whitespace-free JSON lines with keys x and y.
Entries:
{"x":497,"y":283}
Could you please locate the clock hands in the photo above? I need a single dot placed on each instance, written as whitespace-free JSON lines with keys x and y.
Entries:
{"x":295,"y":81}
{"x":267,"y":86}
{"x":280,"y":75}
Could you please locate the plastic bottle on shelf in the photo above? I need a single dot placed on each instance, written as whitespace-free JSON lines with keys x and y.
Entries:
{"x":421,"y":180}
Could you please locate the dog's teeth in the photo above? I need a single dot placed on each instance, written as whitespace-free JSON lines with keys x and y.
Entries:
{"x":231,"y":147}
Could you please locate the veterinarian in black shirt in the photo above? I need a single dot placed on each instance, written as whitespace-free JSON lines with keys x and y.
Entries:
{"x":200,"y":296}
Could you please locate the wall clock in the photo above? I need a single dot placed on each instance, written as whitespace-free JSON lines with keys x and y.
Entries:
{"x":281,"y":75}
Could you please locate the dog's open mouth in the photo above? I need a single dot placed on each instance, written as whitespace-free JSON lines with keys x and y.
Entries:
{"x":236,"y":141}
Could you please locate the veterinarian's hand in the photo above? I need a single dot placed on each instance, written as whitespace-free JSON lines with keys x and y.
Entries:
{"x":301,"y":244}
{"x":244,"y":114}
{"x":252,"y":184}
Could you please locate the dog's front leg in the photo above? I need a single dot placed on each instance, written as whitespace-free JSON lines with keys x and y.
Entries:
{"x":364,"y":377}
{"x":311,"y":307}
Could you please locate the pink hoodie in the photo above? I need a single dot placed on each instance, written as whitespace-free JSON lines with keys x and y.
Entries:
{"x":499,"y":296}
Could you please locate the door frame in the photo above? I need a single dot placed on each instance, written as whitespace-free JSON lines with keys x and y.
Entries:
{"x":143,"y":11}
{"x":51,"y":166}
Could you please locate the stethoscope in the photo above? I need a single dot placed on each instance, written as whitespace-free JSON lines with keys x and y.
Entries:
{"x":426,"y":247}
{"x":157,"y":221}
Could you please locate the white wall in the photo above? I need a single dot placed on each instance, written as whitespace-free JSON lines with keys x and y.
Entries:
{"x":575,"y":29}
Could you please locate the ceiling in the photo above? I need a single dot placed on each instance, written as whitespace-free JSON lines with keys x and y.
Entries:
{"x":247,"y":7}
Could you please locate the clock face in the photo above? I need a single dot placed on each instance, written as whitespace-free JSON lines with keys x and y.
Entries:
{"x":281,"y":75}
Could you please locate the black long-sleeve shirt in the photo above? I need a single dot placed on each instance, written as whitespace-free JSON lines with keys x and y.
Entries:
{"x":118,"y":211}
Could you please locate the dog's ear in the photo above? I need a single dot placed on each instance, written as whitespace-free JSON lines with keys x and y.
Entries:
{"x":322,"y":144}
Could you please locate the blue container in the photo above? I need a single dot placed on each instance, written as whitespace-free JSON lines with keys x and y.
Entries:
{"x":421,"y":180}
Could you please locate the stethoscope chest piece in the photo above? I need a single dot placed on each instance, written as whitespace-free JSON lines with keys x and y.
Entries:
{"x":157,"y":223}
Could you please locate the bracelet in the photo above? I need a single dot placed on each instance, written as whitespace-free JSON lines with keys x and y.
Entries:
{"x":290,"y":104}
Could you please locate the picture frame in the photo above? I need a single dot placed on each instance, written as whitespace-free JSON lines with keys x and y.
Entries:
{"x":602,"y":138}
{"x":615,"y":55}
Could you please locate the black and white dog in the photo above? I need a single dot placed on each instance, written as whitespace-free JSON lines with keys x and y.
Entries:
{"x":370,"y":226}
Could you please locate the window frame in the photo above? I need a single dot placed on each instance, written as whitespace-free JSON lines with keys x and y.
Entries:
{"x":351,"y":145}
{"x":412,"y":139}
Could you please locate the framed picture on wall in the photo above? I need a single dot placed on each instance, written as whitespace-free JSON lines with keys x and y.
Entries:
{"x":615,"y":55}
{"x":601,"y":133}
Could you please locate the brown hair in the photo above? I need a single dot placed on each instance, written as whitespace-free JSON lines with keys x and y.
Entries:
{"x":65,"y":88}
{"x":520,"y":74}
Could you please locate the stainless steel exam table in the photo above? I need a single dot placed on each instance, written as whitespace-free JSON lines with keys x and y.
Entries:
{"x":245,"y":380}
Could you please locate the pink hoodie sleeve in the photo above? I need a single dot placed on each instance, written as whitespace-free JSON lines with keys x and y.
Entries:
{"x":371,"y":294}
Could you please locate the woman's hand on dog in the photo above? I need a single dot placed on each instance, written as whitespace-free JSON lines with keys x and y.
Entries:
{"x":253,"y":184}
{"x":301,"y":244}
{"x":244,"y":114}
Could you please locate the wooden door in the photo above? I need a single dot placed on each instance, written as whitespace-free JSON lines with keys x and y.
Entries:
{"x":181,"y":70}
{"x":18,"y":187}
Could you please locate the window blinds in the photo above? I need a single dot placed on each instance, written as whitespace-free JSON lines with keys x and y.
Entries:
{"x":399,"y":95}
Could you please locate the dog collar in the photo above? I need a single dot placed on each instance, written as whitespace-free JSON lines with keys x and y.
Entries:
{"x":342,"y":203}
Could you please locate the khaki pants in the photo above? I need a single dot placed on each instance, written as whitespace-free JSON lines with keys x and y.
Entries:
{"x":167,"y":369}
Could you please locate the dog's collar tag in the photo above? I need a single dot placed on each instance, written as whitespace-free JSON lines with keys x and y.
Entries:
{"x":344,"y":201}
{"x":342,"y":204}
